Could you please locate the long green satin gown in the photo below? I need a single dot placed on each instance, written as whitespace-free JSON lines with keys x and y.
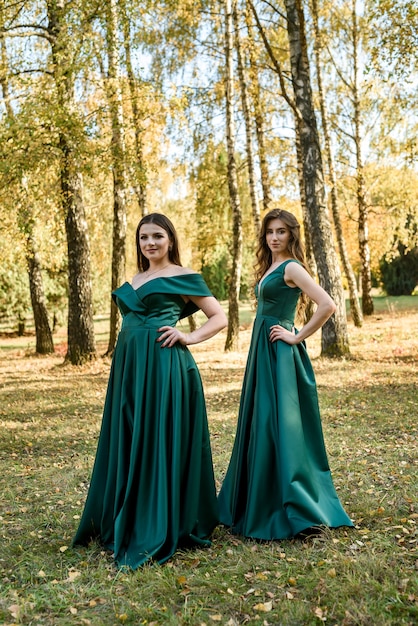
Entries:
{"x":152,"y":488}
{"x":278,"y":482}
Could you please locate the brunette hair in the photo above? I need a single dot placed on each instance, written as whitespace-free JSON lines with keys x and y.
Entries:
{"x":295,"y":247}
{"x":160,"y":220}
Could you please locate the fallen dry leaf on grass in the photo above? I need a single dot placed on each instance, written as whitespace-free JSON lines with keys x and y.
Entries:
{"x":14,"y":610}
{"x":72,"y":575}
{"x":264,"y":607}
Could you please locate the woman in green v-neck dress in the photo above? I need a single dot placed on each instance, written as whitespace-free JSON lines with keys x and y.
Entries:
{"x":278,"y":482}
{"x":152,"y":488}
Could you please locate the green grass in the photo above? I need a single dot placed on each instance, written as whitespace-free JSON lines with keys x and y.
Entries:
{"x":50,"y":415}
{"x":393,"y":304}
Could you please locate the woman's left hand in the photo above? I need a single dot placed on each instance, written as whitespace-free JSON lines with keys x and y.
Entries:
{"x":278,"y":333}
{"x":171,"y":336}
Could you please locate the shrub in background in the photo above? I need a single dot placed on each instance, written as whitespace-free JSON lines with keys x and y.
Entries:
{"x":399,"y":275}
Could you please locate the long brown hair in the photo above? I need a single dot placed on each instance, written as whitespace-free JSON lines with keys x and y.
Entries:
{"x":163,"y":222}
{"x":295,"y":248}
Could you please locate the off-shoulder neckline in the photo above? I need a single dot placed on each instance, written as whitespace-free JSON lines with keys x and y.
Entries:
{"x":161,"y":278}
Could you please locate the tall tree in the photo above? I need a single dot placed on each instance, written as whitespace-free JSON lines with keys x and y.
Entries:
{"x":26,"y":221}
{"x":299,"y":155}
{"x":117,"y":146}
{"x":334,"y":333}
{"x":81,"y":341}
{"x":363,"y":226}
{"x":348,"y":270}
{"x":139,"y":170}
{"x":248,"y":122}
{"x":316,"y":221}
{"x":43,"y":332}
{"x":257,"y":105}
{"x":234,"y":286}
{"x":371,"y":103}
{"x":307,"y":226}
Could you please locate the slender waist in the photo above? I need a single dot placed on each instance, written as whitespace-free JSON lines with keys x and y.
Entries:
{"x":147,"y":323}
{"x":270,"y":320}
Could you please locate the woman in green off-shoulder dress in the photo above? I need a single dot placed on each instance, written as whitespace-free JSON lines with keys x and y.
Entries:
{"x":278,"y":482}
{"x":152,"y":488}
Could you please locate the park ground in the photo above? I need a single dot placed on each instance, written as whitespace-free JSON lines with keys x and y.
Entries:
{"x":50,"y":416}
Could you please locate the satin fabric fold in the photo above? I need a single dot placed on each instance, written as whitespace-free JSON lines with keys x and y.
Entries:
{"x":278,"y":482}
{"x":152,"y":488}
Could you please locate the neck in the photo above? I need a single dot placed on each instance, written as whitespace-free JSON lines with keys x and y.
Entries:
{"x":276,"y":259}
{"x":157,"y":267}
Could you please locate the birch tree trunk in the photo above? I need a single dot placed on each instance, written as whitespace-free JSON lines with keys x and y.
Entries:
{"x":234,"y":287}
{"x":363,"y":226}
{"x":248,"y":125}
{"x":117,"y":146}
{"x":334,"y":331}
{"x":44,"y":340}
{"x":307,"y":227}
{"x":81,"y":342}
{"x":43,"y":332}
{"x":255,"y":94}
{"x":139,"y":173}
{"x":348,"y":270}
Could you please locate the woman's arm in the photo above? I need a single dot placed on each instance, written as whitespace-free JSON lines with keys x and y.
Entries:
{"x":216,"y":321}
{"x":296,"y":276}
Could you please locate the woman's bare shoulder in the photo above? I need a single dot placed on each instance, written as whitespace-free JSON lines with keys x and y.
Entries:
{"x":138,"y":278}
{"x":184,"y":270}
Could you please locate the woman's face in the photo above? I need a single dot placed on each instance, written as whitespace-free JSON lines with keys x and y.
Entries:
{"x":277,"y":237}
{"x":154,"y":243}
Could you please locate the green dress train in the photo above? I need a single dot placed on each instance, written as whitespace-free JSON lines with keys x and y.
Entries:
{"x":278,"y":482}
{"x":152,"y":488}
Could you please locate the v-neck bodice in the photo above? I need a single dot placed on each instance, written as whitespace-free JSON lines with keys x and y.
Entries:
{"x":275,"y":298}
{"x":278,"y":482}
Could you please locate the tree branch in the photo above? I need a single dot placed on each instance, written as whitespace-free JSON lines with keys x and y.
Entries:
{"x":275,"y":9}
{"x":276,"y":64}
{"x":32,"y":71}
{"x":10,"y":32}
{"x":340,"y":75}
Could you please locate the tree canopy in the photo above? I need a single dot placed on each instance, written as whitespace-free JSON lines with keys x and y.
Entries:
{"x":59,"y":67}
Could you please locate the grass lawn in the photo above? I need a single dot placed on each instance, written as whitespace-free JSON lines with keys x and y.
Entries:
{"x":50,"y":415}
